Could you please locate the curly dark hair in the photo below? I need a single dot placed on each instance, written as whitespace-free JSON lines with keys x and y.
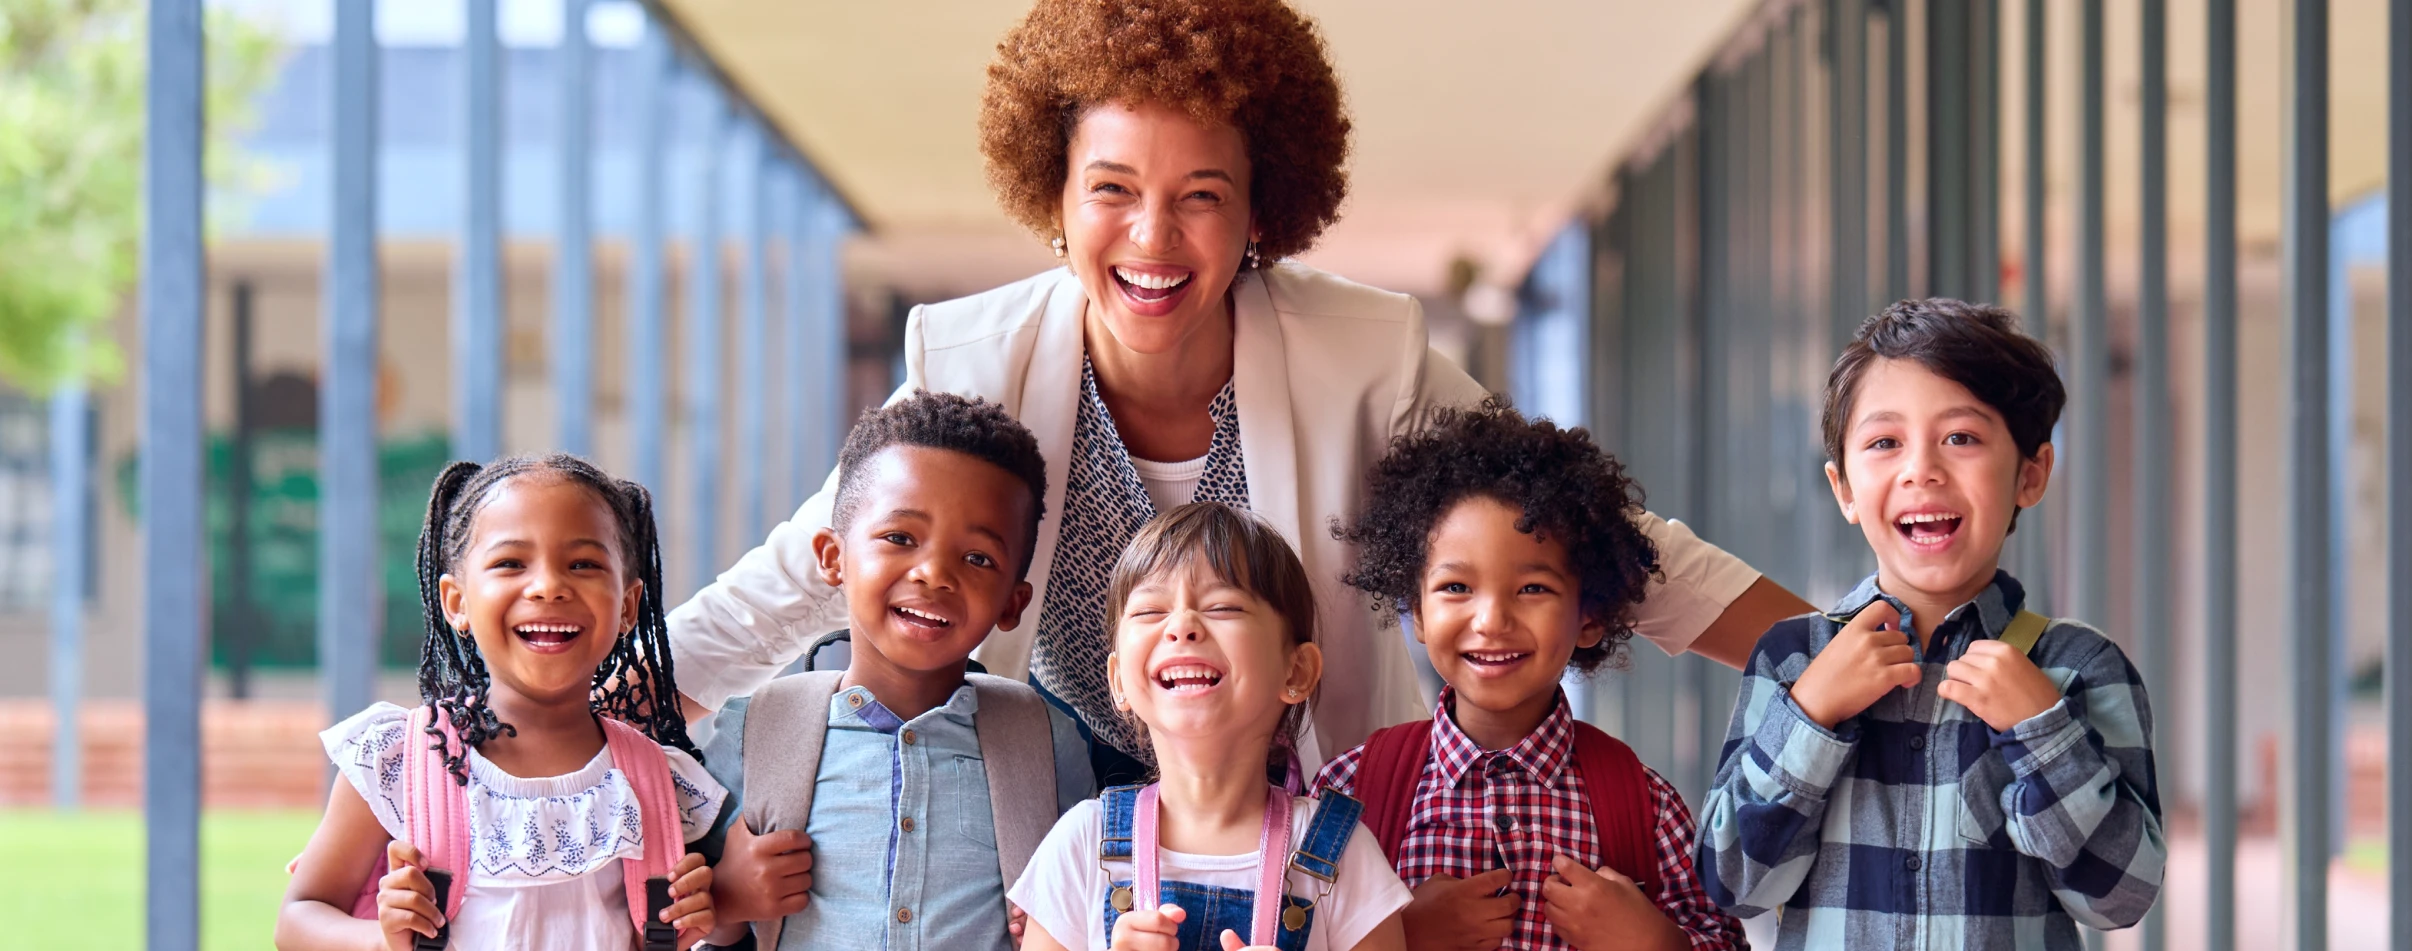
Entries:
{"x":634,"y":682}
{"x":971,"y":426}
{"x":1566,"y":486}
{"x":1255,"y":64}
{"x":1978,"y":346}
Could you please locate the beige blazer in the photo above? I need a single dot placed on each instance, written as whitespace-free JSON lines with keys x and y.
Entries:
{"x":1326,"y":372}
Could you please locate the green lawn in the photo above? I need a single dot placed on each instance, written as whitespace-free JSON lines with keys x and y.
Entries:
{"x":74,"y":880}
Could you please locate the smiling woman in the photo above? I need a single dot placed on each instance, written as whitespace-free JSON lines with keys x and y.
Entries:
{"x":1174,"y":154}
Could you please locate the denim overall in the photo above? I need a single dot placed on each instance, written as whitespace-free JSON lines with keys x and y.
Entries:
{"x":1212,"y":908}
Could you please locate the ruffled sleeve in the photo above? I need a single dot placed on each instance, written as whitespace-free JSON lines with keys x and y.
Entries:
{"x":367,"y":751}
{"x":699,"y":795}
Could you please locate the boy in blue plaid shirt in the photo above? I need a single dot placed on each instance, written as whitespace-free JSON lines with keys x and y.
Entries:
{"x":1921,"y":768}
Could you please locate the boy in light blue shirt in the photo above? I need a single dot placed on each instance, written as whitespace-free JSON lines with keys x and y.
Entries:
{"x":889,"y":807}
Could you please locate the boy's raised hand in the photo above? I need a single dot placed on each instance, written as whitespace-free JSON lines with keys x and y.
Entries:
{"x":1999,"y":684}
{"x":406,"y":903}
{"x":763,"y":877}
{"x":690,"y":908}
{"x":1867,"y":659}
{"x":1460,"y":914}
{"x":1154,"y":929}
{"x":1603,"y":910}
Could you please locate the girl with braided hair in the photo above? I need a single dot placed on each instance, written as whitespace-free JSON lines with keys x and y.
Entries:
{"x":549,"y":726}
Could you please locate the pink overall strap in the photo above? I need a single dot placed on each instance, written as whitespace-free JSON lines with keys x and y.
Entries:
{"x":1272,"y":844}
{"x":648,"y":771}
{"x":437,"y":803}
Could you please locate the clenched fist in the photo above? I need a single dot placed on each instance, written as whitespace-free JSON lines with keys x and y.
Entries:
{"x":1868,"y":658}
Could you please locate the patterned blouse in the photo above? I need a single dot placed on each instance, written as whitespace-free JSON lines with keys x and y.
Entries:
{"x":1104,"y":505}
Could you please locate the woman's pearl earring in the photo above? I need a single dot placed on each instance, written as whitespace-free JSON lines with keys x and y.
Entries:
{"x":1058,"y":245}
{"x":1254,"y":262}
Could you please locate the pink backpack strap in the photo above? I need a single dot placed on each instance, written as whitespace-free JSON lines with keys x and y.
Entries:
{"x":435,"y":814}
{"x":640,"y":759}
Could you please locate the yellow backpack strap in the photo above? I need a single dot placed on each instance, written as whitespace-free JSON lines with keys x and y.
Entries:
{"x":2024,"y":631}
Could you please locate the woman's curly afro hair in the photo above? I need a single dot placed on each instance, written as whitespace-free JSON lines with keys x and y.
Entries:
{"x":1566,"y":486}
{"x":1255,"y":64}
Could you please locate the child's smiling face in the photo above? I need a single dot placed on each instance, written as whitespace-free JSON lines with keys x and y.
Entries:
{"x":543,"y":586}
{"x":931,"y":558}
{"x":1499,"y":610}
{"x":1932,"y":477}
{"x":1196,"y":655}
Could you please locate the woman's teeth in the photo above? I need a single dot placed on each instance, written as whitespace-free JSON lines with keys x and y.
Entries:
{"x":1188,"y":677}
{"x":1153,"y":282}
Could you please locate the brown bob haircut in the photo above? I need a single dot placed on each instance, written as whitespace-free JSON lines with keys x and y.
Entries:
{"x":1257,"y":65}
{"x":1239,"y":548}
{"x":1978,"y":346}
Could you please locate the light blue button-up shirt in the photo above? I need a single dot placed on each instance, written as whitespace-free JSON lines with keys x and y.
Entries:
{"x":904,"y":843}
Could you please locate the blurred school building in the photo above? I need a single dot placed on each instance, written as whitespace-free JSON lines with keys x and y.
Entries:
{"x":1657,"y":220}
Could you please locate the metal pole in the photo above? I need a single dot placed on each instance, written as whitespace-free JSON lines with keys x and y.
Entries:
{"x":2219,"y":473}
{"x":1896,"y":151}
{"x":647,"y":286}
{"x":2034,"y":550}
{"x":1947,"y":148}
{"x":795,"y":339}
{"x":2088,"y":461}
{"x":170,"y":476}
{"x":2152,"y":410}
{"x":477,"y":314}
{"x":572,"y":340}
{"x":2306,"y":271}
{"x":705,"y":324}
{"x":350,"y":598}
{"x":237,"y":634}
{"x":70,"y":481}
{"x":1984,"y":150}
{"x":829,"y":224}
{"x":2399,"y":470}
{"x":753,"y":342}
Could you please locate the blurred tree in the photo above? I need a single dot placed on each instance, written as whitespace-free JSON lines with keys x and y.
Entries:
{"x":71,"y":127}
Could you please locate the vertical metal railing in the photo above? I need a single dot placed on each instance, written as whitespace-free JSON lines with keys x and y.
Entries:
{"x":477,"y":301}
{"x":2307,"y":626}
{"x":2088,"y":358}
{"x":1984,"y":151}
{"x":2035,"y":547}
{"x":1947,"y":152}
{"x":1847,"y":257}
{"x":796,"y":331}
{"x":2219,"y":474}
{"x":2399,"y":473}
{"x":350,"y":590}
{"x":170,"y":476}
{"x":572,"y":338}
{"x":2152,"y":409}
{"x":704,"y":324}
{"x":1896,"y":151}
{"x":753,"y":323}
{"x":70,"y":536}
{"x":648,"y":285}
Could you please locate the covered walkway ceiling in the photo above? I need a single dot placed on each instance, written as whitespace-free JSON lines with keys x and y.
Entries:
{"x":1478,"y":126}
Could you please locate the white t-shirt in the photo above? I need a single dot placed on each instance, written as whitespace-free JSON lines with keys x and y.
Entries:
{"x":1170,"y":484}
{"x":1064,"y":888}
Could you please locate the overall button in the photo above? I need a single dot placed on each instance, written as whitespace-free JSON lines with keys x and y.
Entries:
{"x":904,"y":916}
{"x":906,"y":823}
{"x":1917,"y":742}
{"x":909,"y":738}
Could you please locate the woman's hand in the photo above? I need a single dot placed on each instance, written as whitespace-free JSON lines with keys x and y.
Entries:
{"x":690,"y":908}
{"x":1157,"y":929}
{"x":406,"y":900}
{"x":1597,"y":911}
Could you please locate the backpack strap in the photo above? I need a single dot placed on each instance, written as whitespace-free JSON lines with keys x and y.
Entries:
{"x":435,"y":818}
{"x":2026,"y":628}
{"x":1621,"y":811}
{"x":1017,"y":751}
{"x":1388,"y":771}
{"x":1327,"y":835}
{"x":641,"y":759}
{"x":785,"y":724}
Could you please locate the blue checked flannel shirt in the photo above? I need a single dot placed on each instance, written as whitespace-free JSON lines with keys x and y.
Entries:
{"x":1915,"y":825}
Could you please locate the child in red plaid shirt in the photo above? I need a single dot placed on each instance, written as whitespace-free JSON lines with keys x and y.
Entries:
{"x":1510,"y":546}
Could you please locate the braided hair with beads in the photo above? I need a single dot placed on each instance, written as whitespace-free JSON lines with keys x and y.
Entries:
{"x":633,"y":684}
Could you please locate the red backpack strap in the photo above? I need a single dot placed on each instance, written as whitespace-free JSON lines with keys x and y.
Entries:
{"x":1621,"y":808}
{"x":1388,"y":771}
{"x":641,"y":759}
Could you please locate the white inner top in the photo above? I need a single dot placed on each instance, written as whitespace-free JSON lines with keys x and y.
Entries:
{"x":1170,"y":484}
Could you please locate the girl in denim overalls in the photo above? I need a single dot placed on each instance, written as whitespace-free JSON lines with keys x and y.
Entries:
{"x":1214,"y":654}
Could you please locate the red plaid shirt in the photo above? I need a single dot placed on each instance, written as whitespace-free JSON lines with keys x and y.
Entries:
{"x":1536,"y":783}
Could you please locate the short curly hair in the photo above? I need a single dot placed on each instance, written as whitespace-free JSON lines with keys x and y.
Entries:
{"x":1566,"y":486}
{"x":1255,"y":64}
{"x":971,"y":426}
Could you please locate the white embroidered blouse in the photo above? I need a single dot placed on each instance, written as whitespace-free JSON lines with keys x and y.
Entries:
{"x":544,"y":851}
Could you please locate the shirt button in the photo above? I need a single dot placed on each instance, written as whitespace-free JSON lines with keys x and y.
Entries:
{"x":1913,"y":863}
{"x":904,"y":916}
{"x":1917,"y":742}
{"x":906,"y":823}
{"x":908,"y":737}
{"x":854,"y":700}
